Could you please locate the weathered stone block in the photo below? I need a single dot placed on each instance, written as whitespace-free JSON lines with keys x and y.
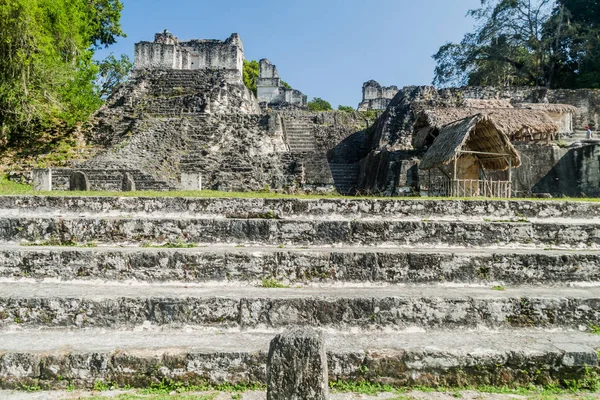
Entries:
{"x":78,"y":181}
{"x":191,"y":181}
{"x":128,"y":184}
{"x":297,"y":366}
{"x":42,"y":179}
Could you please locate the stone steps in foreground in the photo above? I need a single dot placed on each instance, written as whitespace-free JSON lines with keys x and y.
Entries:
{"x":303,"y":265}
{"x":35,"y":304}
{"x":57,"y":358}
{"x":288,"y":208}
{"x":313,"y":232}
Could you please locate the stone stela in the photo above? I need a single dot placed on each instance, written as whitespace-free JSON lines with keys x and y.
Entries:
{"x":297,"y":366}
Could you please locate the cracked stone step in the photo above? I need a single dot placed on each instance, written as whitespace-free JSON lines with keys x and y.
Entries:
{"x":304,"y":265}
{"x":354,"y":208}
{"x":574,"y":235}
{"x":45,"y":304}
{"x":52,"y":359}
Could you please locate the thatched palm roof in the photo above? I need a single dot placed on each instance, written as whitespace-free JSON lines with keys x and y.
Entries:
{"x":516,"y":123}
{"x":548,"y":107}
{"x":478,"y":133}
{"x":487,"y":103}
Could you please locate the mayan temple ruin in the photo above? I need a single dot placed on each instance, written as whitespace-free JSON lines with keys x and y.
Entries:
{"x":186,"y":118}
{"x":376,"y":97}
{"x":432,"y":271}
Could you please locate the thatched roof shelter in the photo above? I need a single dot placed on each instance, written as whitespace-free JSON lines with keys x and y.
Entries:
{"x":479,"y":135}
{"x":487,"y":103}
{"x":554,"y":108}
{"x":518,"y":124}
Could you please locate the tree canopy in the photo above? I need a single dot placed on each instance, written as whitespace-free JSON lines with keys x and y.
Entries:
{"x":112,"y":72}
{"x":251,"y":71}
{"x":251,"y":75}
{"x":46,"y":69}
{"x":551,"y":43}
{"x":346,"y":108}
{"x":318,"y":104}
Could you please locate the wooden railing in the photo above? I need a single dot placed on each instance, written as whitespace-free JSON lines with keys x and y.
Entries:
{"x":472,"y":188}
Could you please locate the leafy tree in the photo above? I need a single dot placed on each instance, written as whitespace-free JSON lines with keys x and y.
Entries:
{"x":286,"y":85}
{"x":345,"y":108}
{"x":551,"y":43}
{"x":318,"y":104}
{"x":581,"y":46}
{"x":112,"y":72}
{"x":509,"y":47}
{"x":46,"y":67}
{"x":105,"y":17}
{"x":251,"y":69}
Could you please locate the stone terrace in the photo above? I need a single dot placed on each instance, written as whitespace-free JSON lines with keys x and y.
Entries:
{"x":402,"y":289}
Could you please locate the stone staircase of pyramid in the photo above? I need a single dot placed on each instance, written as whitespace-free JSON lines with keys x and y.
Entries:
{"x":136,"y":291}
{"x":303,"y":146}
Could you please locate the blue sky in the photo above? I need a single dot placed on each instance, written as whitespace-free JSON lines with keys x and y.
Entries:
{"x":325,"y":48}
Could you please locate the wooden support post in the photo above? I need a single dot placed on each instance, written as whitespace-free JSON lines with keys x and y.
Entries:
{"x":455,"y":173}
{"x":509,"y":177}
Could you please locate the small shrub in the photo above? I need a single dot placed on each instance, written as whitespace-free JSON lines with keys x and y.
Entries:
{"x":345,"y":109}
{"x":595,"y":329}
{"x":271,"y":283}
{"x":171,"y":245}
{"x":318,"y":104}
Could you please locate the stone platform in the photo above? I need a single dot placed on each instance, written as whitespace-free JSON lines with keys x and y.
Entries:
{"x":450,"y":293}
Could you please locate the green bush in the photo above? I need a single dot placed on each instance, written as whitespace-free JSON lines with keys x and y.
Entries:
{"x":345,"y":108}
{"x":318,"y":104}
{"x":251,"y":75}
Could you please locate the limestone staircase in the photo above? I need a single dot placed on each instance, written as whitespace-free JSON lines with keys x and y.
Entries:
{"x":303,"y":145}
{"x":407,"y":292}
{"x":345,"y":177}
{"x":299,"y":135}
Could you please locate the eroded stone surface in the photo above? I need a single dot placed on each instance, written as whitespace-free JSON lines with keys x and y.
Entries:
{"x":303,"y":266}
{"x":30,"y":304}
{"x":53,"y":359}
{"x":290,"y":208}
{"x":78,"y":181}
{"x":299,"y":232}
{"x":297,"y":366}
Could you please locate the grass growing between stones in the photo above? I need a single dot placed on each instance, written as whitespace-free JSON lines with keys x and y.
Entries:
{"x":507,"y":221}
{"x":170,"y":245}
{"x":10,"y":188}
{"x":127,"y":396}
{"x":167,"y":386}
{"x":579,"y":389}
{"x":58,"y":243}
{"x":271,"y":283}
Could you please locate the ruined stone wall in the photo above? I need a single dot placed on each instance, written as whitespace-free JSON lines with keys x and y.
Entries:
{"x":239,"y":152}
{"x":108,"y":179}
{"x":271,"y":92}
{"x":169,"y":123}
{"x":587,"y":101}
{"x":570,"y":172}
{"x":168,"y":93}
{"x":376,"y":97}
{"x":391,"y":173}
{"x":167,"y":52}
{"x":560,"y":172}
